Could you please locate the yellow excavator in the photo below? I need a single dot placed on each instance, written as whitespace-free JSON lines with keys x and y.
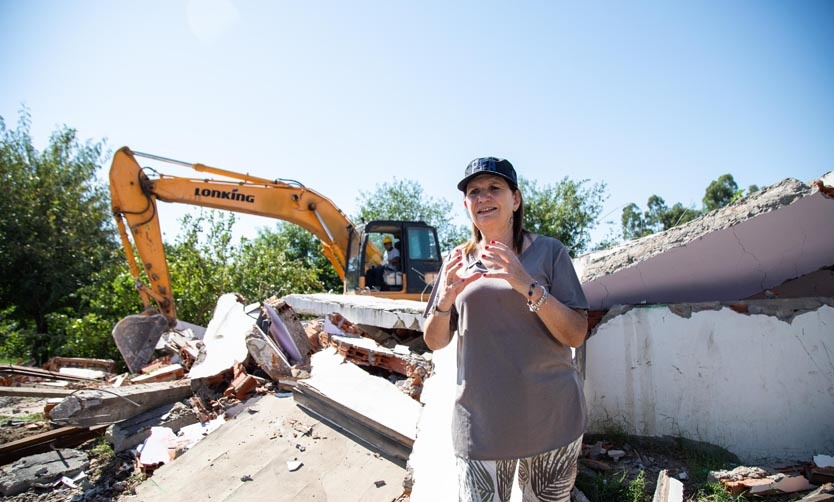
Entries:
{"x":352,"y":249}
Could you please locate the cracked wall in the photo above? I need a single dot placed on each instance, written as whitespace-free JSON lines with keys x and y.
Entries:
{"x":760,"y":383}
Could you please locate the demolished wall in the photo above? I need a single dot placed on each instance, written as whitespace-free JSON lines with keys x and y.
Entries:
{"x":760,"y":383}
{"x":761,"y":241}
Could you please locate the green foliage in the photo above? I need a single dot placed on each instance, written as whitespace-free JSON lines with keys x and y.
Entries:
{"x":263,"y":269}
{"x":102,"y":450}
{"x":567,"y":210}
{"x":200,"y":262}
{"x":406,"y":200}
{"x":720,"y":192}
{"x":714,"y":492}
{"x":205,"y":264}
{"x":613,"y":487}
{"x":14,"y":336}
{"x":658,"y":217}
{"x":636,"y":489}
{"x":55,"y":225}
{"x":299,"y":245}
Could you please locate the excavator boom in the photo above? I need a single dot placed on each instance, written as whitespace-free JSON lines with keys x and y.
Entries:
{"x":134,"y":197}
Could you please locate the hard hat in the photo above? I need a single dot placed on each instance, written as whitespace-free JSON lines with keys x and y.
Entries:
{"x":387,"y":240}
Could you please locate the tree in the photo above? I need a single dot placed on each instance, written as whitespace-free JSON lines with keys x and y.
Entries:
{"x":633,"y":223}
{"x":567,"y":210}
{"x":406,"y":200}
{"x":55,"y":224}
{"x":720,"y":192}
{"x":300,"y":245}
{"x":658,"y":217}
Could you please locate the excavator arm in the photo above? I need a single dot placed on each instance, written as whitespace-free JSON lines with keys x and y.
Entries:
{"x":134,"y":198}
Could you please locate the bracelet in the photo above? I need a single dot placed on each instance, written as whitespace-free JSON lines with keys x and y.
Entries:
{"x":440,"y":313}
{"x":534,"y":307}
{"x":530,"y":291}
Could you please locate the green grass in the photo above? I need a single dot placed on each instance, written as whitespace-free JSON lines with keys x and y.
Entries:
{"x":699,"y":459}
{"x":31,"y":417}
{"x":102,"y":449}
{"x":614,"y":487}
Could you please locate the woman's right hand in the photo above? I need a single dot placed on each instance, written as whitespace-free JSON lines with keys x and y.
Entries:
{"x":454,"y":283}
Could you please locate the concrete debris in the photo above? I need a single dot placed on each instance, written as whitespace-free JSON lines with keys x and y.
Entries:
{"x":668,"y":489}
{"x":100,"y":406}
{"x":225,"y":338}
{"x":371,"y":310}
{"x":159,"y":448}
{"x":41,"y":469}
{"x":134,"y":431}
{"x":346,"y":338}
{"x":287,"y":331}
{"x":824,"y":493}
{"x":268,"y":355}
{"x":99,"y":366}
{"x":167,"y":373}
{"x":380,"y":415}
{"x":759,"y":481}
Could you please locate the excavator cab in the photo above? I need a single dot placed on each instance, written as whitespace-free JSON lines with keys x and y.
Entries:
{"x":370,"y":271}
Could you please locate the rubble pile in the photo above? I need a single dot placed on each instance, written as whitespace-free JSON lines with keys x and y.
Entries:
{"x":189,"y":387}
{"x":665,"y":463}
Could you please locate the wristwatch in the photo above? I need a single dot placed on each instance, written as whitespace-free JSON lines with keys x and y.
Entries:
{"x":440,"y":313}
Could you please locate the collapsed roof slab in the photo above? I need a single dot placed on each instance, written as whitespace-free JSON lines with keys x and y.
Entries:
{"x":360,"y":309}
{"x":781,"y":232}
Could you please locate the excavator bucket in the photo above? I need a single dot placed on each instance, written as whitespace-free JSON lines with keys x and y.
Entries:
{"x":136,"y":337}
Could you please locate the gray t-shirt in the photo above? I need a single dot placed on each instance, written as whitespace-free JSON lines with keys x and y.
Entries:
{"x":518,"y":392}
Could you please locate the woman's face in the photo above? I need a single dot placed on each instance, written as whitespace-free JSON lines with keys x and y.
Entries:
{"x":491,"y":202}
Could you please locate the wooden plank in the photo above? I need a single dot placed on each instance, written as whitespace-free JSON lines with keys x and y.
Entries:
{"x":34,"y":392}
{"x":14,"y":369}
{"x":63,"y":437}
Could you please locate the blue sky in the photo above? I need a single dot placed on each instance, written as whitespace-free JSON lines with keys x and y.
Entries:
{"x":648,"y":97}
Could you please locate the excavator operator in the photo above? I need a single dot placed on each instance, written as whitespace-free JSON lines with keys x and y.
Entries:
{"x":375,"y":276}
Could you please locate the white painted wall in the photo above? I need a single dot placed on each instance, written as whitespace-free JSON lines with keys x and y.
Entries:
{"x":758,"y":386}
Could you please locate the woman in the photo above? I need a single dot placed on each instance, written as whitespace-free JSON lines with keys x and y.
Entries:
{"x":515,"y":301}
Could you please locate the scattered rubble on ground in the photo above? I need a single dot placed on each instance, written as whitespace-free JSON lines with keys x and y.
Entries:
{"x":667,"y":467}
{"x":189,"y":386}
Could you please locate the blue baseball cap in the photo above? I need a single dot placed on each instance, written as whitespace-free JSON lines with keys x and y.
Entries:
{"x":489,"y":165}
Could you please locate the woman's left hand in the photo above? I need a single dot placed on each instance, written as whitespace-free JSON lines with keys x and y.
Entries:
{"x":503,"y":263}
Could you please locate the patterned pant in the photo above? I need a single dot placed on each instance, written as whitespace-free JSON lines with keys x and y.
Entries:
{"x":547,"y":477}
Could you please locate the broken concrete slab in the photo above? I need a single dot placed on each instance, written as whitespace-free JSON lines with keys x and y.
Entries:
{"x":225,"y":338}
{"x":41,"y":469}
{"x":366,"y":352}
{"x":133,"y":431}
{"x":279,"y":432}
{"x":668,"y":489}
{"x":287,"y":331}
{"x":370,"y":310}
{"x":267,"y":355}
{"x":97,"y":406}
{"x":728,"y":254}
{"x":380,"y":407}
